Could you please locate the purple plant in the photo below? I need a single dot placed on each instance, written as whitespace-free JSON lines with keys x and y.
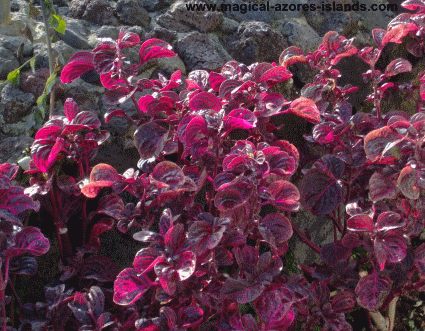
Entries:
{"x":214,"y":213}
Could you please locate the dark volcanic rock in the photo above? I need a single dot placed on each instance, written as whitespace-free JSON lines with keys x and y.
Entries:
{"x":94,"y":11}
{"x":256,"y":42}
{"x":131,"y":12}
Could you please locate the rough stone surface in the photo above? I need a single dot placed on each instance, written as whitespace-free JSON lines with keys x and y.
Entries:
{"x":155,"y":5}
{"x":11,"y":148}
{"x":76,"y":34}
{"x":163,"y":34}
{"x":256,"y":42}
{"x":298,"y":33}
{"x":94,"y":11}
{"x":8,"y":62}
{"x":131,"y":12}
{"x":180,"y":19}
{"x":15,"y":104}
{"x":202,"y":51}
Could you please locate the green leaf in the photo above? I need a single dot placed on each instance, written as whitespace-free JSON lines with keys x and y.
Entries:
{"x":42,"y":104}
{"x":57,"y":23}
{"x":50,"y":83}
{"x":13,"y":77}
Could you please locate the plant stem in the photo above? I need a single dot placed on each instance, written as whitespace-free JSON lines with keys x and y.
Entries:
{"x":49,"y":55}
{"x":303,"y":238}
{"x":3,"y":284}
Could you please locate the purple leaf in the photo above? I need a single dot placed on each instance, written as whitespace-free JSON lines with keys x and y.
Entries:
{"x":23,"y":265}
{"x":333,"y":252}
{"x":372,"y":290}
{"x":112,"y":112}
{"x":168,"y":277}
{"x":186,"y":265}
{"x":321,"y":192}
{"x":397,"y":66}
{"x":110,"y":205}
{"x":378,"y":143}
{"x":391,"y":248}
{"x":332,"y":164}
{"x":284,"y":195}
{"x":168,"y":173}
{"x":378,"y":36}
{"x":150,"y":139}
{"x":78,"y":64}
{"x":190,"y":316}
{"x":99,"y":268}
{"x":408,"y":182}
{"x":343,"y":302}
{"x":240,"y":290}
{"x":13,"y":202}
{"x":80,"y":307}
{"x":233,"y":195}
{"x":381,"y":188}
{"x":420,"y":259}
{"x":29,"y":240}
{"x":206,"y":232}
{"x":275,"y":229}
{"x":129,"y":287}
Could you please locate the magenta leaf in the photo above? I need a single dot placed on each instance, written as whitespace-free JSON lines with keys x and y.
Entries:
{"x":240,"y":290}
{"x":150,"y":139}
{"x":127,"y":39}
{"x":9,"y":170}
{"x":413,"y":4}
{"x":45,"y":152}
{"x":240,"y":118}
{"x":292,"y":55}
{"x":215,"y":80}
{"x":168,"y":277}
{"x":332,"y":164}
{"x":321,"y":192}
{"x":361,"y":222}
{"x":129,"y":287}
{"x":70,"y":108}
{"x":275,"y":75}
{"x":275,"y":229}
{"x":153,"y":49}
{"x":80,"y":307}
{"x":78,"y":64}
{"x":305,"y":108}
{"x":378,"y":36}
{"x":112,"y":112}
{"x":389,"y":221}
{"x":205,"y":100}
{"x":372,"y":290}
{"x":29,"y":240}
{"x":397,"y":66}
{"x":102,"y":175}
{"x":186,"y":265}
{"x":147,"y":258}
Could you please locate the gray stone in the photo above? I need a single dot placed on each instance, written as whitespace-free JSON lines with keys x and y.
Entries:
{"x":105,"y":31}
{"x":320,"y":230}
{"x":155,"y":5}
{"x":8,"y":62}
{"x":178,"y":18}
{"x":19,"y":128}
{"x":60,"y":51}
{"x":15,"y":104}
{"x":163,"y":34}
{"x":255,"y":42}
{"x":298,"y":33}
{"x":229,"y":26}
{"x":94,"y":11}
{"x":24,"y":163}
{"x":202,"y":51}
{"x":11,"y":148}
{"x":87,"y":96}
{"x":131,"y":12}
{"x":12,"y":44}
{"x":76,"y":34}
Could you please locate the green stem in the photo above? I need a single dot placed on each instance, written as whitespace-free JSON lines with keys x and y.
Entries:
{"x":49,"y":55}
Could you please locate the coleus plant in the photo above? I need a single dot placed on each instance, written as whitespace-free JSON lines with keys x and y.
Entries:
{"x":214,"y":213}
